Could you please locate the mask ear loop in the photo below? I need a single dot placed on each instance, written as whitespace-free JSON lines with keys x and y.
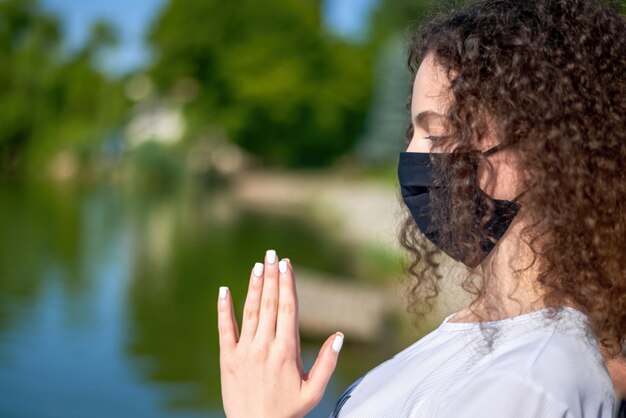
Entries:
{"x":494,"y":149}
{"x":516,"y":198}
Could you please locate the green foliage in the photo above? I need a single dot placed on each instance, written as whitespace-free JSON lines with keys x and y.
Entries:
{"x":49,"y":102}
{"x":396,"y":16}
{"x":271,"y":78}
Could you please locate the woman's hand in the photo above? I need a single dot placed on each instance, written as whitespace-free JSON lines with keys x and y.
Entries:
{"x":261,"y":370}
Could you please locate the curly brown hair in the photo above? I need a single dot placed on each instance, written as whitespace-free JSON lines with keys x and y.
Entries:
{"x":551,"y":76}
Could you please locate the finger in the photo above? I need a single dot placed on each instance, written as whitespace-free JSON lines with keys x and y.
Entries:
{"x":226,"y":322}
{"x":269,"y":299}
{"x":323,"y":368}
{"x":287,"y":317}
{"x":251,"y":308}
{"x":298,"y":352}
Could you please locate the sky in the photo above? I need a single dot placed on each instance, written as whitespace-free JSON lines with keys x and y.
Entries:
{"x":131,"y":23}
{"x":348,"y":17}
{"x":132,"y":19}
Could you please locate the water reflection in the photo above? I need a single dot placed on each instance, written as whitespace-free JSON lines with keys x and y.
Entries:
{"x":107,"y":298}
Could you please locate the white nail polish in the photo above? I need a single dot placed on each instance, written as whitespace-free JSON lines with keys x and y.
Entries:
{"x":337,"y":343}
{"x":282,"y":266}
{"x":223,"y":292}
{"x":258,"y":269}
{"x":270,"y":256}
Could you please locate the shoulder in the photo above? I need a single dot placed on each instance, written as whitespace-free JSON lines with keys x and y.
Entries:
{"x":546,"y":372}
{"x":570,"y":366}
{"x":502,"y":394}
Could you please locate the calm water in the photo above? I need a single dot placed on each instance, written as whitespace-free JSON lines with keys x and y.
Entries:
{"x":107,"y":299}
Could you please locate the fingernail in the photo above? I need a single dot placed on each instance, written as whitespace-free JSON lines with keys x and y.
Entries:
{"x":223,"y":292}
{"x":270,"y":256}
{"x":282,"y":266}
{"x":258,"y":269}
{"x":337,"y":343}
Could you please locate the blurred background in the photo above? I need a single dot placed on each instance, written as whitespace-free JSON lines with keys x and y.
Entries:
{"x":151,"y":151}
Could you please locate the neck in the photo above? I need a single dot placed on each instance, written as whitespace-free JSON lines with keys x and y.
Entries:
{"x":508,"y":293}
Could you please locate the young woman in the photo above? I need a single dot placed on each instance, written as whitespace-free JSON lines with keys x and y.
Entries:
{"x":514,"y":167}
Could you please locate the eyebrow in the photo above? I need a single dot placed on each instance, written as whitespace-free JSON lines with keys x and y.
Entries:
{"x":422,"y":117}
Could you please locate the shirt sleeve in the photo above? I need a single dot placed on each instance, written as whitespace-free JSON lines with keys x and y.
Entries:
{"x":501,"y":395}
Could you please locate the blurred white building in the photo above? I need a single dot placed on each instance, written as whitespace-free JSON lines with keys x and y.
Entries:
{"x":155,"y":120}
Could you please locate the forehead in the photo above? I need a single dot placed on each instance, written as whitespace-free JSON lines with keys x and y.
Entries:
{"x":430,"y":88}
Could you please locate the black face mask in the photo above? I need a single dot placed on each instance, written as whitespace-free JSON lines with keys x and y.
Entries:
{"x":415,"y":173}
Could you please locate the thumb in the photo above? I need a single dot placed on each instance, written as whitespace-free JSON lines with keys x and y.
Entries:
{"x":324,"y":366}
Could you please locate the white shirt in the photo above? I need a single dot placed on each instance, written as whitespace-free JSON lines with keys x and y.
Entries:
{"x":538,"y":368}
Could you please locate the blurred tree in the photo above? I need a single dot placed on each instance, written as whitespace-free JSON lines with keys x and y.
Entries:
{"x":27,"y":39}
{"x":51,"y":101}
{"x":269,"y":76}
{"x":84,"y":103}
{"x":387,"y":118}
{"x":396,"y":16}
